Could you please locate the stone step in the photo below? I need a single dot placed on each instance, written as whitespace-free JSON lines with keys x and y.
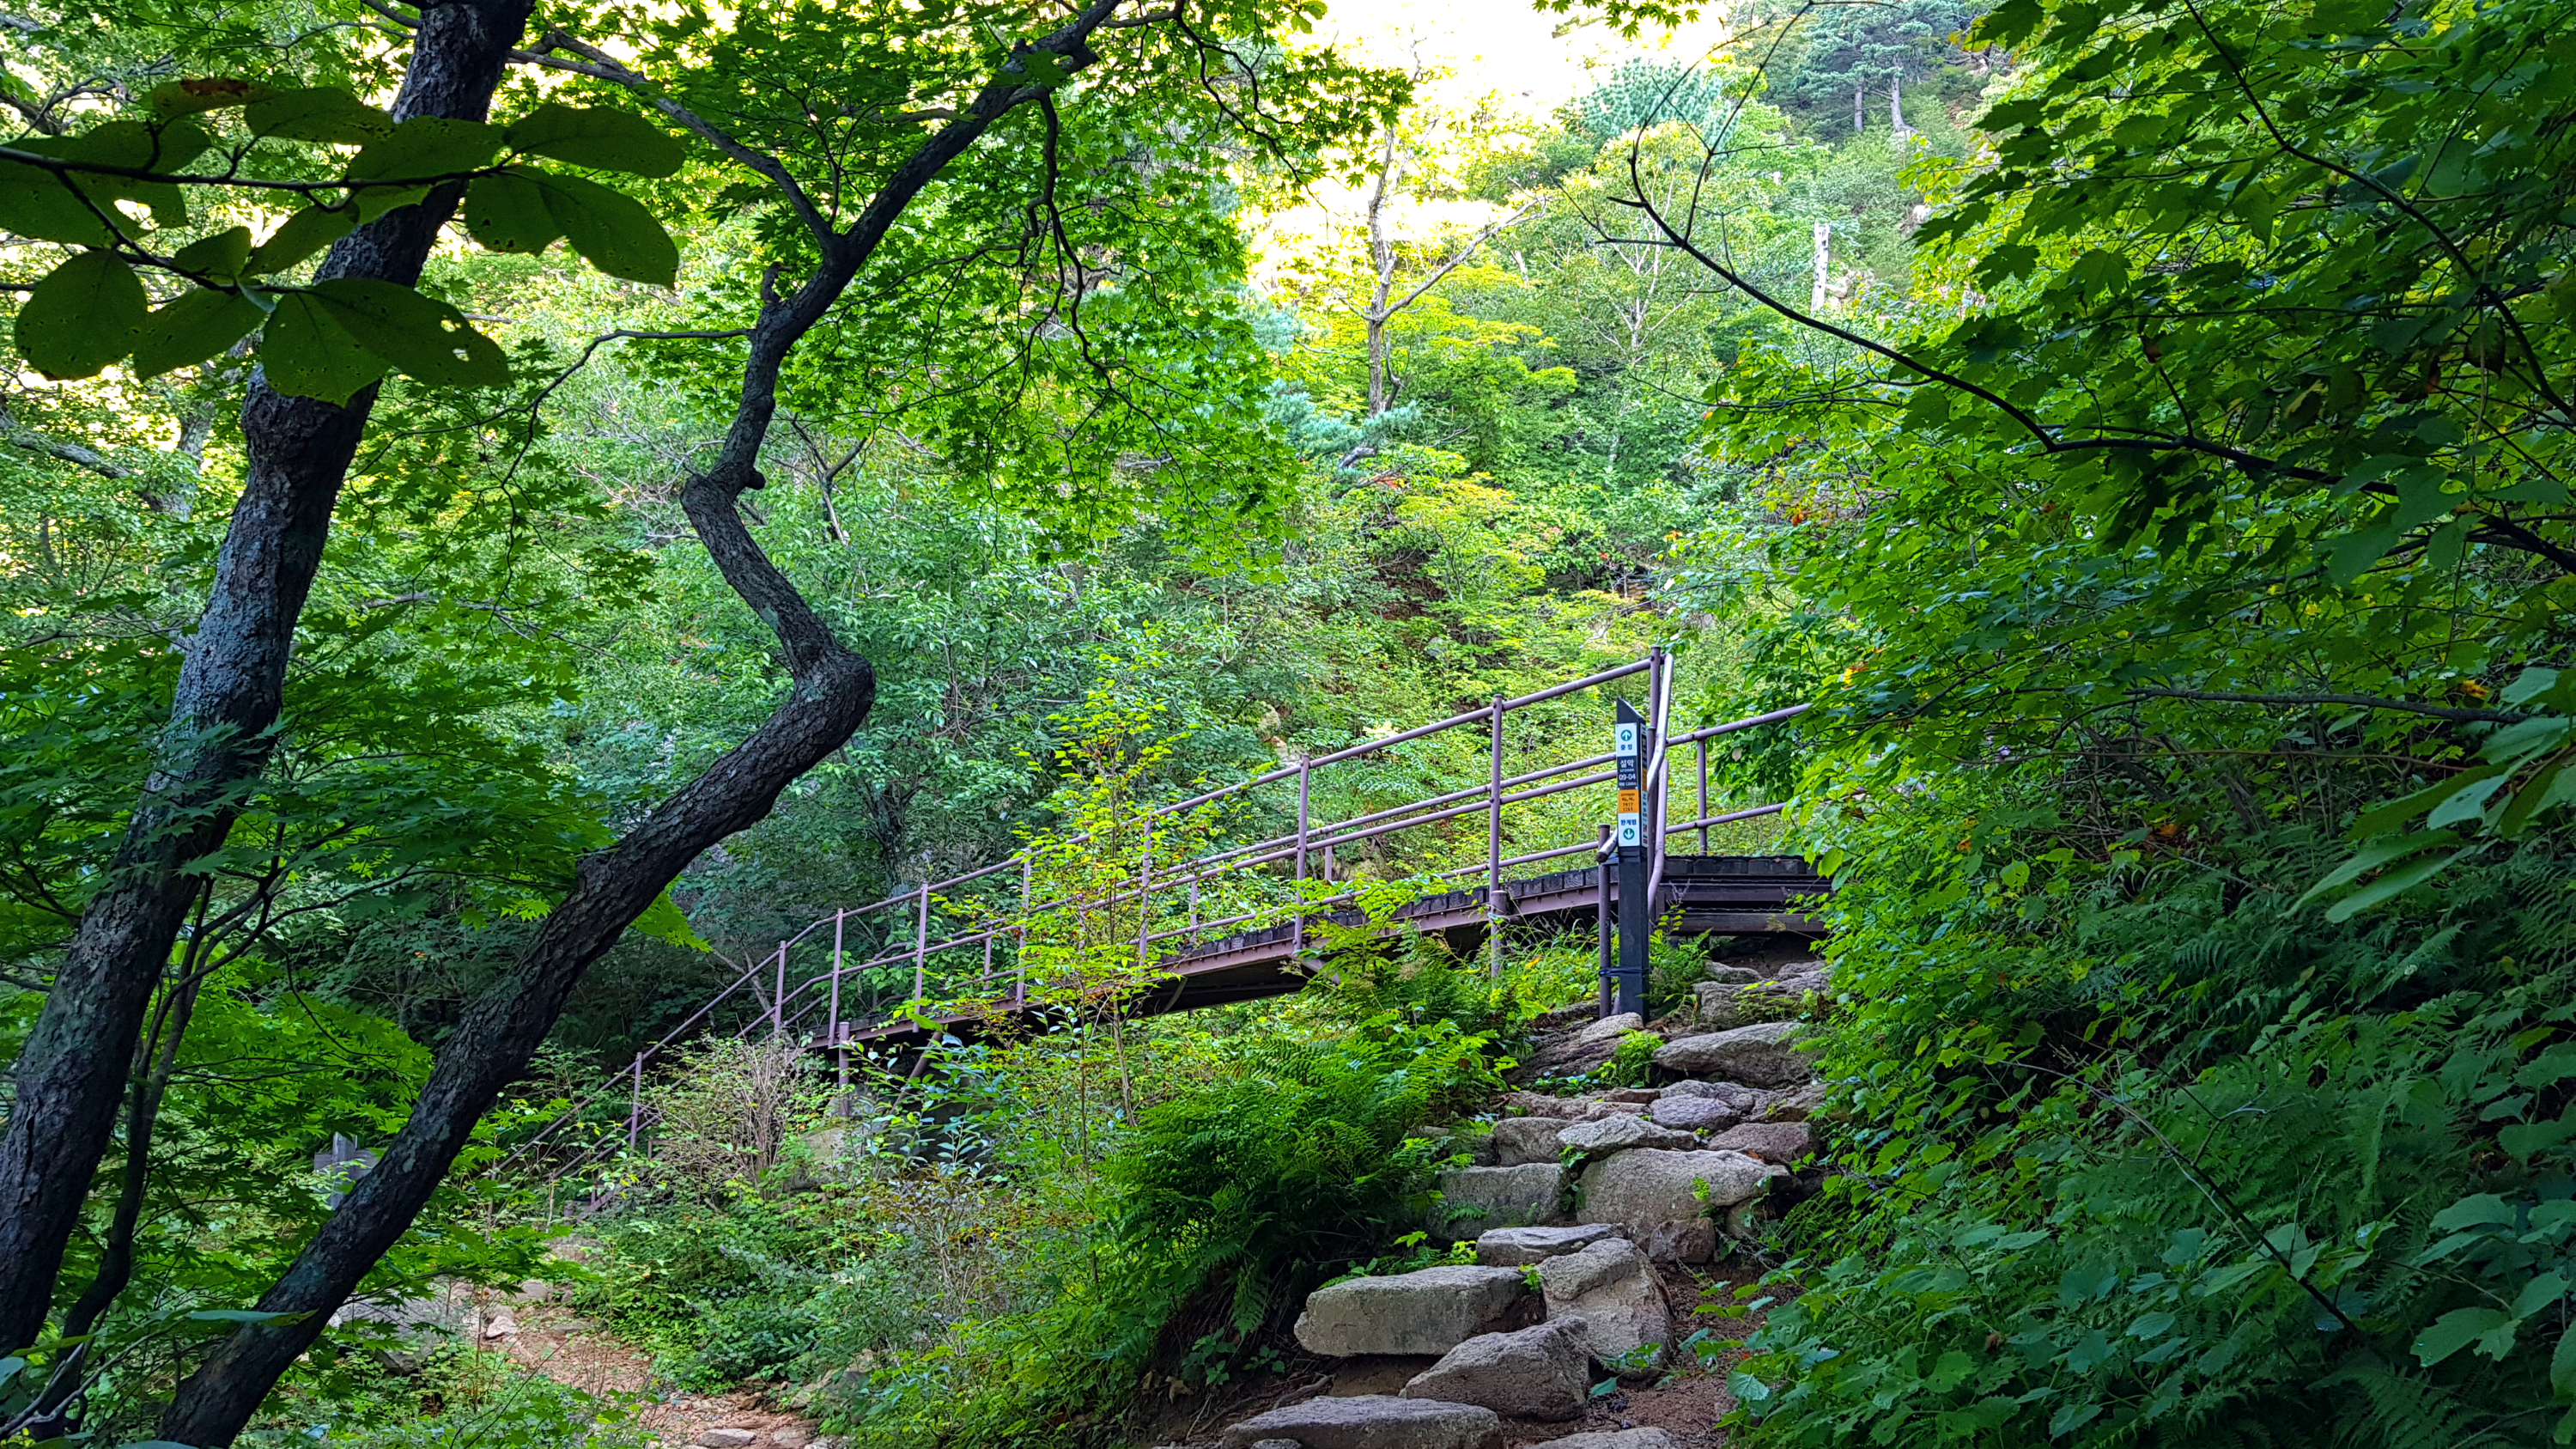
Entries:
{"x":1520,"y":1247}
{"x":1375,"y":1421}
{"x":1427,"y":1312}
{"x":1538,"y":1373}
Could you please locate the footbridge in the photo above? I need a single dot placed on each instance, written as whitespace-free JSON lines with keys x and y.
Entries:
{"x":1246,"y":891}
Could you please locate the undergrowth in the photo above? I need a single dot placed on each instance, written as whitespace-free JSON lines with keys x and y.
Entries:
{"x":2139,"y":1151}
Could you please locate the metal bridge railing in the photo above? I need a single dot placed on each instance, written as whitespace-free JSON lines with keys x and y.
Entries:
{"x":843,"y":1014}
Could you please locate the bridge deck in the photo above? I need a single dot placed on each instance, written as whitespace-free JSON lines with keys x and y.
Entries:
{"x":1736,"y":895}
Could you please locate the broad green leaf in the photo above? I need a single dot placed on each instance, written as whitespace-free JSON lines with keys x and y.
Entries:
{"x":82,"y":316}
{"x":207,"y":93}
{"x":606,"y":139}
{"x":243,"y":1315}
{"x":307,"y":353}
{"x":426,"y":149}
{"x":612,"y":230}
{"x":36,"y":203}
{"x":374,"y":201}
{"x":306,"y":232}
{"x":507,"y":212}
{"x":321,"y":113}
{"x":2071,"y":1417}
{"x":2382,"y":818}
{"x":2390,"y":886}
{"x":131,"y":145}
{"x":2549,"y":1068}
{"x":2350,"y":555}
{"x":426,"y":338}
{"x":197,"y":326}
{"x":2562,"y":1366}
{"x":2458,"y":1329}
{"x":2538,"y":1294}
{"x":2483,"y":1210}
{"x":2467,"y":803}
{"x":2525,"y":1140}
{"x":222,"y":255}
{"x":2373,"y":857}
{"x":2532,"y":684}
{"x":2553,"y":786}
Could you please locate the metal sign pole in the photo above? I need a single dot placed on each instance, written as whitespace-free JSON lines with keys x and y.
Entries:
{"x":1631,"y":740}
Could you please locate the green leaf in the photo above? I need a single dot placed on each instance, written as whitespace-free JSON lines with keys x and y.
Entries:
{"x":2562,"y":1366}
{"x":221,"y":256}
{"x":2485,"y":1209}
{"x":306,"y":232}
{"x":2525,"y":1140}
{"x":2549,"y":1068}
{"x":82,"y":316}
{"x":134,"y":146}
{"x":612,"y":230}
{"x":426,"y":148}
{"x":2390,"y":886}
{"x":2538,"y":1294}
{"x":2071,"y":1417}
{"x":507,"y":212}
{"x":2373,"y":857}
{"x":2458,"y":1329}
{"x":199,"y":325}
{"x":2382,"y":818}
{"x":243,"y":1315}
{"x":663,"y":921}
{"x":2350,"y":556}
{"x":37,"y":204}
{"x":306,"y":352}
{"x":209,"y":93}
{"x":606,"y":139}
{"x":320,"y":113}
{"x":2531,"y":684}
{"x":2554,"y":785}
{"x":426,"y":338}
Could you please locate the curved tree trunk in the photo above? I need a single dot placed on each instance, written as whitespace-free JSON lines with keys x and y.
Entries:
{"x":71,"y":1073}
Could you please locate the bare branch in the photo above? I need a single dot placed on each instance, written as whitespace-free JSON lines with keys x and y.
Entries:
{"x":2364,"y":701}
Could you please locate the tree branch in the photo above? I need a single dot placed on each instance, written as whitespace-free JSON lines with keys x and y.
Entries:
{"x":603,"y":66}
{"x":2365,"y":701}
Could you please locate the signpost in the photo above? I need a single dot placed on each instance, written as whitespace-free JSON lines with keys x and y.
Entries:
{"x":1632,"y":742}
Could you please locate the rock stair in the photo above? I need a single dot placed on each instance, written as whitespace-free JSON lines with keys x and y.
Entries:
{"x":1575,"y":1204}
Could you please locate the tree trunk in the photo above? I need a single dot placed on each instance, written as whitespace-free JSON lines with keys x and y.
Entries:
{"x":832,"y":693}
{"x":1824,"y":260}
{"x":72,"y":1071}
{"x":492,"y":1044}
{"x":1860,"y":102}
{"x":1896,"y":108}
{"x":1376,"y":366}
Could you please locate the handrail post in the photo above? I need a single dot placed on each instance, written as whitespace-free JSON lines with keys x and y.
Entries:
{"x":1601,"y":917}
{"x":1194,"y":907}
{"x":778,"y":996}
{"x":1297,"y":928}
{"x":1494,"y":852}
{"x":635,"y":1102}
{"x":920,"y":941}
{"x":1145,"y":899}
{"x":1020,"y":968}
{"x":832,"y":1028}
{"x":1703,"y":797}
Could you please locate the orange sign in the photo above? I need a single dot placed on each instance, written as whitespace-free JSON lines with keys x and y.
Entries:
{"x":1627,"y":802}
